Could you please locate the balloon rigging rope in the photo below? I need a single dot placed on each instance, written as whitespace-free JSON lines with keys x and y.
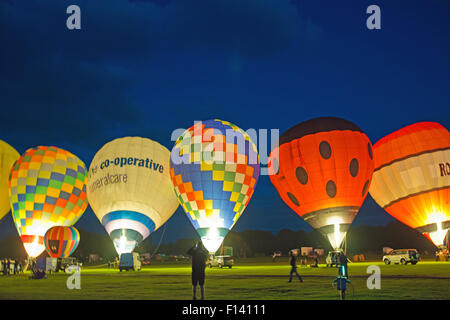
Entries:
{"x":160,"y":240}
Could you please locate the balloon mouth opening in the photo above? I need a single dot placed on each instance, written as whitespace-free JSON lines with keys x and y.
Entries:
{"x":212,"y":237}
{"x":34,"y":245}
{"x":212,"y":240}
{"x":438,"y":236}
{"x":123,"y":244}
{"x":335,"y":233}
{"x":437,"y":229}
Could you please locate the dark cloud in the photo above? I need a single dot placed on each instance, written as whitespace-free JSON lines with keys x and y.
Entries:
{"x":161,"y":3}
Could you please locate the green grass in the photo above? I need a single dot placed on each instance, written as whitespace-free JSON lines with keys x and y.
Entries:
{"x":258,"y":279}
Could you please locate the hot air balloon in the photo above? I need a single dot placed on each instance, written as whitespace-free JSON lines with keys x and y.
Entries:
{"x":8,"y":155}
{"x":214,"y":167}
{"x":61,"y":242}
{"x":47,"y":188}
{"x":322,"y":170}
{"x":411,"y":180}
{"x":130,"y":190}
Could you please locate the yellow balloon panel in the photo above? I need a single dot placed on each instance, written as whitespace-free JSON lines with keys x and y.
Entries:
{"x":8,"y":155}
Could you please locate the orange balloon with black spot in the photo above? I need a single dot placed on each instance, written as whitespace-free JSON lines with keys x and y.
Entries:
{"x":322,"y":170}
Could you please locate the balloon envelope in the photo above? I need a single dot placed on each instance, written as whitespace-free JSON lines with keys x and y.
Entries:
{"x":47,"y":188}
{"x":214,"y":167}
{"x":8,"y":155}
{"x":322,"y":170}
{"x":130,"y":189}
{"x":61,"y":242}
{"x":412,"y":177}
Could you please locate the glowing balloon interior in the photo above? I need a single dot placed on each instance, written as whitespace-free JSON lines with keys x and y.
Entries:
{"x":322,"y":170}
{"x":130,"y":190}
{"x":214,"y":167}
{"x":8,"y":155}
{"x":47,"y":188}
{"x":412,"y":178}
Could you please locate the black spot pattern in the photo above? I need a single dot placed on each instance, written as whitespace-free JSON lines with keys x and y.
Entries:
{"x":293,"y":199}
{"x":302,"y":175}
{"x":331,"y":188}
{"x":354,"y":167}
{"x":325,"y":150}
{"x":366,"y":186}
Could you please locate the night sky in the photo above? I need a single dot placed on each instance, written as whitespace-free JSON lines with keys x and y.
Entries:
{"x":146,"y":68}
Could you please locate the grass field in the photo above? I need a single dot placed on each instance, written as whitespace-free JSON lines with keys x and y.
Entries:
{"x":258,"y":279}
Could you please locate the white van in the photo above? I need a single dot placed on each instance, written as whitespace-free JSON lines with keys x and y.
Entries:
{"x":130,"y":261}
{"x":403,"y":256}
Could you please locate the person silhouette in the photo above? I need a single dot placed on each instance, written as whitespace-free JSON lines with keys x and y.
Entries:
{"x":293,"y":261}
{"x":198,"y":254}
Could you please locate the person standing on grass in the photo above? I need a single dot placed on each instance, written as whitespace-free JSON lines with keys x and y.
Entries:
{"x":8,"y":265}
{"x":293,"y":261}
{"x":198,"y":255}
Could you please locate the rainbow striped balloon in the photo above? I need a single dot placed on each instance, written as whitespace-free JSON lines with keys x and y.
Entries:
{"x":61,"y":242}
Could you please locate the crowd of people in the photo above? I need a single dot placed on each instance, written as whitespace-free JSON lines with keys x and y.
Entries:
{"x":114,"y":264}
{"x":442,"y":255}
{"x":9,"y":266}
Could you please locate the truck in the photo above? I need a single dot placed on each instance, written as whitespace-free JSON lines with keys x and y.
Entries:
{"x":130,"y":261}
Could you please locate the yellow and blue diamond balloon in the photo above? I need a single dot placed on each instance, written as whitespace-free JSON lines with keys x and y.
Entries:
{"x":214,"y":167}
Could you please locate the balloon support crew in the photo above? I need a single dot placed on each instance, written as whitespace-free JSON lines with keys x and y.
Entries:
{"x":342,"y":279}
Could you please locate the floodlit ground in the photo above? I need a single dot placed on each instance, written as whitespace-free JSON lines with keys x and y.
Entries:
{"x":252,"y":279}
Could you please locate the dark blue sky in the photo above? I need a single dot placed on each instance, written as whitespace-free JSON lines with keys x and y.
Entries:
{"x":148,"y":67}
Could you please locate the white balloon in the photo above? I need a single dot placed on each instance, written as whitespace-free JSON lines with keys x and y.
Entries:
{"x":130,"y":189}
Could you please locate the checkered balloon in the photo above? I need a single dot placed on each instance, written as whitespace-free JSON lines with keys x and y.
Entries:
{"x":214,"y":167}
{"x":47,"y":187}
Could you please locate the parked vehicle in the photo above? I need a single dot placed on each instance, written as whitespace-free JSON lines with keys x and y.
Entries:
{"x":130,"y":261}
{"x":66,"y":262}
{"x":220,"y":261}
{"x":51,"y":264}
{"x":276,"y":254}
{"x":403,"y":256}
